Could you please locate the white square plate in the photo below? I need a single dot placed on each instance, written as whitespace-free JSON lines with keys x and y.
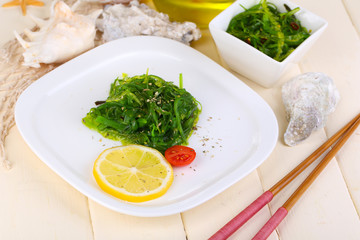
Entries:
{"x":236,"y":132}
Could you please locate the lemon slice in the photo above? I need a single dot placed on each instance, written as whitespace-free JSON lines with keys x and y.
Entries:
{"x":133,"y":173}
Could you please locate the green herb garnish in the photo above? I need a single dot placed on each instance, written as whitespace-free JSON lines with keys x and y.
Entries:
{"x":274,"y":33}
{"x":145,"y":110}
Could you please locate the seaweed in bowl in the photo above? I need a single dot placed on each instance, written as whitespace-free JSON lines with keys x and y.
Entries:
{"x":247,"y":60}
{"x":264,"y":27}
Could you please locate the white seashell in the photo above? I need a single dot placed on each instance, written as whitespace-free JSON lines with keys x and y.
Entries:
{"x":102,"y":2}
{"x":120,"y":21}
{"x":309,"y":99}
{"x":62,"y":37}
{"x":109,"y":1}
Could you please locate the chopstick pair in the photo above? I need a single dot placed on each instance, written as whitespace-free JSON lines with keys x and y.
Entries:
{"x":340,"y":137}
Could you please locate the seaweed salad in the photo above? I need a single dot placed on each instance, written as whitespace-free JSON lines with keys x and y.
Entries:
{"x":274,"y":33}
{"x":146,"y":110}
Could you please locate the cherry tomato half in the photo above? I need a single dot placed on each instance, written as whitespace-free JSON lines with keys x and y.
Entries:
{"x":180,"y":155}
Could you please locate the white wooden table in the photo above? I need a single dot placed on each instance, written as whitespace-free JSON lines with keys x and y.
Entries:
{"x":35,"y":203}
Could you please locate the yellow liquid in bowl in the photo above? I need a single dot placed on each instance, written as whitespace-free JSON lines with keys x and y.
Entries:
{"x":200,"y":12}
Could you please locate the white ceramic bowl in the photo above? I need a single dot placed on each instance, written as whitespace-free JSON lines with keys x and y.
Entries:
{"x":250,"y":62}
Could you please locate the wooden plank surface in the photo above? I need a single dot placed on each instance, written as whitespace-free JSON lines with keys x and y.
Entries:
{"x":109,"y":225}
{"x":349,"y":63}
{"x":340,"y":59}
{"x":37,"y":204}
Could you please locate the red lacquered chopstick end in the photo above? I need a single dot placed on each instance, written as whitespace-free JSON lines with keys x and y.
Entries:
{"x":243,"y":217}
{"x":270,"y":226}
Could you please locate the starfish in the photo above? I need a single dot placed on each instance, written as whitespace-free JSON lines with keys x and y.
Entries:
{"x":23,"y":4}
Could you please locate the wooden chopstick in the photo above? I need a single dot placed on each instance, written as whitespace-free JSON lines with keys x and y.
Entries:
{"x":281,"y":213}
{"x":309,"y":160}
{"x":239,"y":220}
{"x":320,"y":167}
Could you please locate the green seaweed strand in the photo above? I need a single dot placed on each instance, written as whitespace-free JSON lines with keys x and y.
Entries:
{"x":265,"y":28}
{"x":276,"y":25}
{"x":147,"y":110}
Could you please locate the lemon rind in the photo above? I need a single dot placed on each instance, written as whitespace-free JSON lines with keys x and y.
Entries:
{"x":125,"y":195}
